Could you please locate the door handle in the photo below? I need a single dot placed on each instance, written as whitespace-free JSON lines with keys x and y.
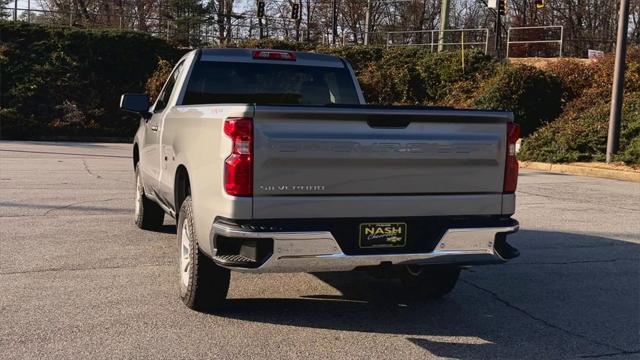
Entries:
{"x":154,"y":127}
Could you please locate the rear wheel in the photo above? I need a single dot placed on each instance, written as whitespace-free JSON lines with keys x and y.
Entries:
{"x":203,"y":284}
{"x":147,"y":214}
{"x":429,"y":282}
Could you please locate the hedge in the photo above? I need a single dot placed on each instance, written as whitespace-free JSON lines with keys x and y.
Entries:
{"x":583,"y":136}
{"x":63,"y":81}
{"x":580,"y":132}
{"x":533,"y":95}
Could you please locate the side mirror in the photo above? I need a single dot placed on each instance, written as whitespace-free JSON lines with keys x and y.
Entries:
{"x":137,"y":103}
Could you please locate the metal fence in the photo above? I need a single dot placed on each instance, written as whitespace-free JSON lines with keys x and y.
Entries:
{"x":440,"y":40}
{"x":534,"y":41}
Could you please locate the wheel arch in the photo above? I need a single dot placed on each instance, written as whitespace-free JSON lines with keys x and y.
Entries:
{"x":181,"y":188}
{"x":136,"y":155}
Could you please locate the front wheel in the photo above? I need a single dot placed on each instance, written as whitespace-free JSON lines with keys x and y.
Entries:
{"x":429,"y":282}
{"x":203,"y":284}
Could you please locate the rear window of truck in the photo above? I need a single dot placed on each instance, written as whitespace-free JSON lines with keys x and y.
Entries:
{"x":216,"y":82}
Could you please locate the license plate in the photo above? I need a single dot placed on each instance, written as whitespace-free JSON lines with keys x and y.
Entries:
{"x":383,"y":235}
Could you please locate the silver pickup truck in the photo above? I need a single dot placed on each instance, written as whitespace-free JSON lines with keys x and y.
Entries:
{"x":271,"y":162}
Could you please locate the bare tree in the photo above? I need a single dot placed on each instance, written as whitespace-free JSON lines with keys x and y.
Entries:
{"x":588,"y":24}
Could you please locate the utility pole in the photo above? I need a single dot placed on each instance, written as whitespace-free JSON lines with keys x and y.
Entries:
{"x":261,"y":12}
{"x":71,"y":12}
{"x":444,"y":23}
{"x":617,"y":90}
{"x":501,"y":9}
{"x":334,"y":12}
{"x":308,"y":36}
{"x":367,"y":19}
{"x":298,"y":34}
{"x":498,"y":31}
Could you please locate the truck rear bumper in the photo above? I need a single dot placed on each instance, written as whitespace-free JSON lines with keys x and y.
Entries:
{"x":319,"y":251}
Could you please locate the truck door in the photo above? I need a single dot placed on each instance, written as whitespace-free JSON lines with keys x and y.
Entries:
{"x":151,"y":155}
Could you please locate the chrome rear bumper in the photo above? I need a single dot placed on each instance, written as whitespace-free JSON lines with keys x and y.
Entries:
{"x":319,"y":251}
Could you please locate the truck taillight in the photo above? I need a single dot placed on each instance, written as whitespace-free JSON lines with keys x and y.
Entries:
{"x":238,"y":167}
{"x":511,"y":164}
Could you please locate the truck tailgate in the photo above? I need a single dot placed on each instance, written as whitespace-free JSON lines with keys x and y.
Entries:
{"x":369,"y":151}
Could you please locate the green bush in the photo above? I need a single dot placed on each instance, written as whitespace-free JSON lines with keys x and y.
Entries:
{"x":631,"y":152}
{"x":62,"y":81}
{"x":534,"y":96}
{"x":576,"y":77}
{"x":394,"y":79}
{"x":359,"y":56}
{"x":630,"y":130}
{"x":415,"y":76}
{"x":582,"y":136}
{"x":580,"y":132}
{"x":443,"y":71}
{"x":158,"y":78}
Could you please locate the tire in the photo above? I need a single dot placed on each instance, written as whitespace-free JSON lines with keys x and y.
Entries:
{"x":429,"y":282}
{"x":147,"y":214}
{"x":203,"y":284}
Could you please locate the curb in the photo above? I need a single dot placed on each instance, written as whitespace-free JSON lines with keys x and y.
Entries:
{"x":583,"y":169}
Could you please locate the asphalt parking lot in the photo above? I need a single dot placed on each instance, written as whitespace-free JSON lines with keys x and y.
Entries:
{"x":79,"y":280}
